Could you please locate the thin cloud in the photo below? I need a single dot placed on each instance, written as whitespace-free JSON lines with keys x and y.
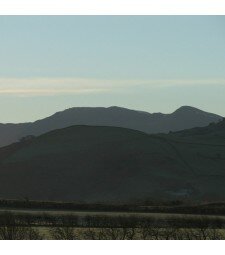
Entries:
{"x":63,"y":86}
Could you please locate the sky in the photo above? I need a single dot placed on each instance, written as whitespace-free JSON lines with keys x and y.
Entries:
{"x":149,"y":63}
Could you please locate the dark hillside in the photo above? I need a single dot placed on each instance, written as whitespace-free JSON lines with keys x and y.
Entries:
{"x":108,"y":164}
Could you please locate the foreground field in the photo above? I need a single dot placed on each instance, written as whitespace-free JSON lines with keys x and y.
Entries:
{"x":175,"y":220}
{"x":17,"y":224}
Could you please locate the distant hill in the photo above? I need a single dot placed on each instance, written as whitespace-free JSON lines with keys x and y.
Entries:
{"x":183,"y":118}
{"x":213,"y":129}
{"x":109,"y":164}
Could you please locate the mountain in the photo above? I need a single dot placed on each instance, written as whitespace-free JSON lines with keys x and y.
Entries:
{"x":110,"y":164}
{"x":183,"y":118}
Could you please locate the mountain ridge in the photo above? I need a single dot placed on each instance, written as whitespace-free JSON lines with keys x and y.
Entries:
{"x":183,"y":118}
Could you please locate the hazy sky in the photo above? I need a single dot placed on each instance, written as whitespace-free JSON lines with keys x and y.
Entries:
{"x":151,"y":63}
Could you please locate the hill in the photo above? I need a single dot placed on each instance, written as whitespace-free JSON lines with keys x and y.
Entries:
{"x":183,"y":118}
{"x":109,"y":164}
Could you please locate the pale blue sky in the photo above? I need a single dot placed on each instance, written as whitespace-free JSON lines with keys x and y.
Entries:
{"x":151,"y":63}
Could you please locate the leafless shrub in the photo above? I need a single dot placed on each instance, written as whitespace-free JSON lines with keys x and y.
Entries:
{"x":109,"y":234}
{"x":63,"y":233}
{"x":10,"y":229}
{"x":202,"y":234}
